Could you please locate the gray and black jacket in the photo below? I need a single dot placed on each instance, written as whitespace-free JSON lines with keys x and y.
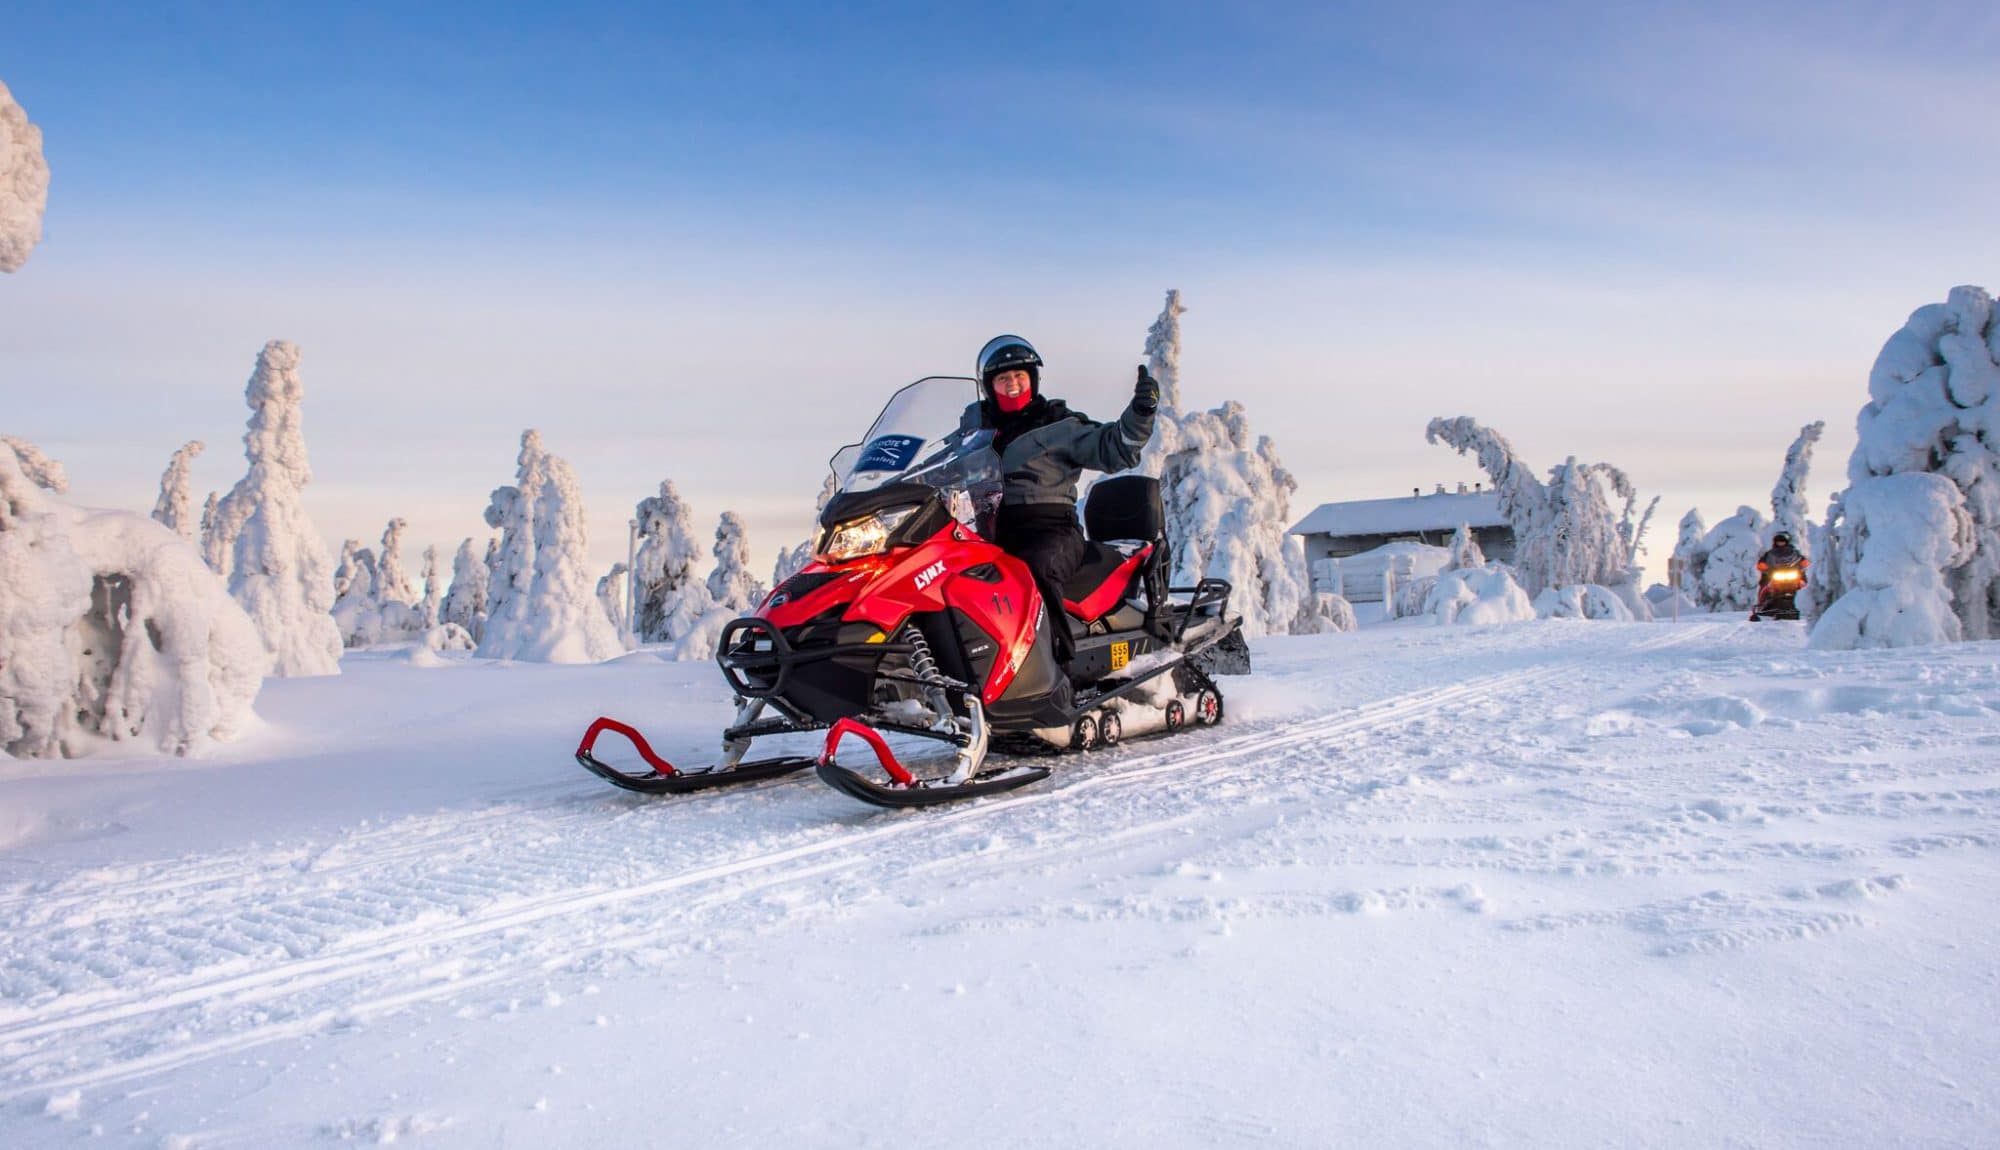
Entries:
{"x":1041,"y":465}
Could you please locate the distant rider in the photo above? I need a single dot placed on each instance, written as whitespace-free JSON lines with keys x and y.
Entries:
{"x":1782,"y":556}
{"x":1044,"y":448}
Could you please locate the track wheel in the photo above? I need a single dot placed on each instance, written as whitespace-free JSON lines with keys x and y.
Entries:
{"x":1110,"y":729}
{"x":1208,"y":707}
{"x":1083,"y":736}
{"x":1176,"y":716}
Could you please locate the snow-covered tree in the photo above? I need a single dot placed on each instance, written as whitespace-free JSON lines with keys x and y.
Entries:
{"x":553,"y":615}
{"x":613,"y":591}
{"x":512,"y":563}
{"x":465,"y":604}
{"x":355,"y":603}
{"x":793,"y":561}
{"x":1232,"y":497}
{"x":1227,"y":499}
{"x":430,"y":611}
{"x":1689,"y":548}
{"x":1729,"y":574}
{"x":672,"y":598}
{"x":44,"y":588}
{"x":277,"y":566}
{"x":111,"y":626}
{"x":1465,"y":552}
{"x":730,"y":584}
{"x":1789,"y":510}
{"x":1163,"y":360}
{"x":1565,"y":531}
{"x":24,"y":184}
{"x":1933,"y":408}
{"x":174,"y":507}
{"x":392,"y":581}
{"x":208,"y":533}
{"x":1896,"y":541}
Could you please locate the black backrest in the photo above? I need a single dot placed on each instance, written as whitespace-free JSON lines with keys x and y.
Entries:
{"x":1125,"y":507}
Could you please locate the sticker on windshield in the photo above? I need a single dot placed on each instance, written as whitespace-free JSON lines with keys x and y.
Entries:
{"x":889,"y":453}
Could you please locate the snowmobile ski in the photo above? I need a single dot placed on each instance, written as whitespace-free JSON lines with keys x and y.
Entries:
{"x":667,"y":779}
{"x":905,"y":789}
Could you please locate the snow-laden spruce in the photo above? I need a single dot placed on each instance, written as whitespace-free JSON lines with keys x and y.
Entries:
{"x":614,"y":593}
{"x":430,"y":610}
{"x":1690,"y":551}
{"x":1565,"y":530}
{"x":730,"y":584}
{"x":1933,"y":408}
{"x":24,"y":184}
{"x":277,"y":567}
{"x":1465,"y":551}
{"x":175,"y":506}
{"x":392,"y":580}
{"x":1790,"y":512}
{"x":354,"y":602}
{"x":111,"y":626}
{"x":791,"y":562}
{"x":1582,"y":601}
{"x":1729,"y":555}
{"x":465,"y":603}
{"x":672,"y":598}
{"x":1163,"y":360}
{"x":1899,"y":536}
{"x":550,"y":612}
{"x":1227,"y":500}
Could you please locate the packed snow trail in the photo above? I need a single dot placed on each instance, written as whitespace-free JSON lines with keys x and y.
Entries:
{"x":1707,"y":791}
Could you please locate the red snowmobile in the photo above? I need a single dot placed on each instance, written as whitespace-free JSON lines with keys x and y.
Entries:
{"x":908,"y":623}
{"x":1778,"y":590}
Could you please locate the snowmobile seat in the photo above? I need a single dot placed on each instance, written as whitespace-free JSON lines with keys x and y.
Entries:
{"x":1125,"y":507}
{"x":1104,"y":579}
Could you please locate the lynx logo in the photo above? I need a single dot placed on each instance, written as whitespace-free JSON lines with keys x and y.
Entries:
{"x":929,"y":574}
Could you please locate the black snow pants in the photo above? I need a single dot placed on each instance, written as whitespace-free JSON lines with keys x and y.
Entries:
{"x":1046,"y":537}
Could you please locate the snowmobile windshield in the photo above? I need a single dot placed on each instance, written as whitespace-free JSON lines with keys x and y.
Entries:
{"x":918,"y":439}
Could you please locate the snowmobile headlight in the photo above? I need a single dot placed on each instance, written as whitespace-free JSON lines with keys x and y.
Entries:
{"x":868,"y":535}
{"x":1784,"y":576}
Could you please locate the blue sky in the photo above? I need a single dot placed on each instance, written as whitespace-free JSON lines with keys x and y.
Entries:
{"x":700,"y":244}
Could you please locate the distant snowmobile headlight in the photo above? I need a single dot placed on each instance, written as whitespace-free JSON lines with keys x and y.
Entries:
{"x":1784,"y":576}
{"x":868,"y":535}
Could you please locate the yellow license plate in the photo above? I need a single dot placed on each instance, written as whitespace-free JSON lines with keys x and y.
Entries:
{"x":1121,"y":654}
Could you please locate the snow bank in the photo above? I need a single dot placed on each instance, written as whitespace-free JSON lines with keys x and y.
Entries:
{"x":1899,"y":535}
{"x":1933,"y":408}
{"x":24,"y":184}
{"x":1583,"y":601}
{"x":111,"y":626}
{"x":1478,"y":595}
{"x":276,"y":564}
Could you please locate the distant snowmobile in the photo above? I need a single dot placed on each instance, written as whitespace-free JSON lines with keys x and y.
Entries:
{"x":1781,"y":575}
{"x":908,"y":622}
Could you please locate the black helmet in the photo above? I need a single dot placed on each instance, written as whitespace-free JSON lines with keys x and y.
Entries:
{"x":1781,"y":539}
{"x":1006,"y":353}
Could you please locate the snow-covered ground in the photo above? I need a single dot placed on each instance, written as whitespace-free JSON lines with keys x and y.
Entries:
{"x":1544,"y":884}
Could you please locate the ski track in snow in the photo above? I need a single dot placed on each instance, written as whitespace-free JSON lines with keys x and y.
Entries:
{"x":137,"y":970}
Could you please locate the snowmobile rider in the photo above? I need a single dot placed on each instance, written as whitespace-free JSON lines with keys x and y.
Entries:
{"x":1781,"y":557}
{"x":1044,"y":447}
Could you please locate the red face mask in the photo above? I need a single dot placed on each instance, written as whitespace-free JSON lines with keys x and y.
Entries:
{"x":1017,"y":401}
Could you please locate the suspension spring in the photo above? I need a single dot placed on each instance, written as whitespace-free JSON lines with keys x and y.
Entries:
{"x":924,"y":666}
